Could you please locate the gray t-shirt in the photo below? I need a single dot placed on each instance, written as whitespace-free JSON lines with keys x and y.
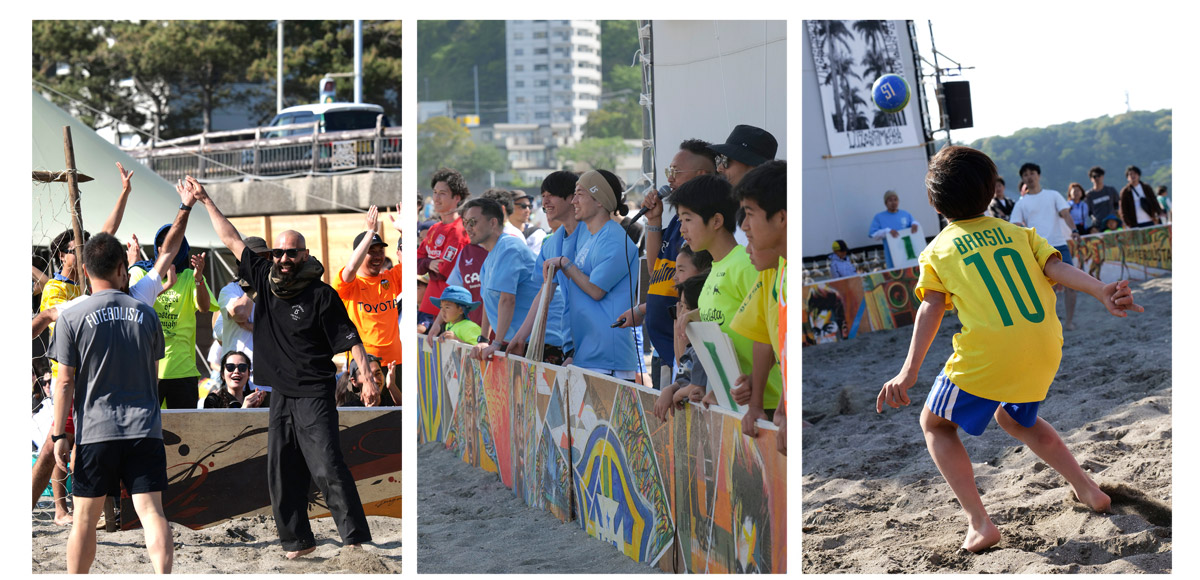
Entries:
{"x":112,"y":340}
{"x":1104,"y":203}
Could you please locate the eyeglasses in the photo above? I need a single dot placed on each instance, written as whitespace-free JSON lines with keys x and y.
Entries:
{"x":240,"y":367}
{"x":672,"y":171}
{"x":290,"y":252}
{"x":523,"y":205}
{"x":722,"y":161}
{"x":470,"y":222}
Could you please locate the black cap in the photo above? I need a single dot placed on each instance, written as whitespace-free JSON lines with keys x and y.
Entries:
{"x":377,"y":240}
{"x":256,"y":244}
{"x":750,"y":145}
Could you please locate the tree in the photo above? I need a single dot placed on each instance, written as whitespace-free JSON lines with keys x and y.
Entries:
{"x":620,"y":117}
{"x":442,"y":142}
{"x":73,"y":57}
{"x":446,"y":52}
{"x":596,"y":153}
{"x":313,"y":48}
{"x":618,"y":44}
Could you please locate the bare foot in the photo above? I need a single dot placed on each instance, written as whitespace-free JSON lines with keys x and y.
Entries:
{"x":1069,"y":326}
{"x":981,"y":538}
{"x":298,"y":553}
{"x":1094,"y":498}
{"x":64,"y":519}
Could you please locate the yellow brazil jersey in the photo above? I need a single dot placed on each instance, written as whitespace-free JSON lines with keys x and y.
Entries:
{"x":57,"y":291}
{"x":992,"y":272}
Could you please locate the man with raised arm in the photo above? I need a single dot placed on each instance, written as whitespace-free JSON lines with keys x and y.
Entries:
{"x":300,"y":324}
{"x":370,"y":295}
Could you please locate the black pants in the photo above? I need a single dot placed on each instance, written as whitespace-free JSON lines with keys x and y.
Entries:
{"x":181,"y":393}
{"x":302,"y":446}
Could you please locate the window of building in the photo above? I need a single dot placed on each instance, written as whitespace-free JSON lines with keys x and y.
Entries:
{"x":519,"y":84}
{"x":519,"y":67}
{"x":540,"y":98}
{"x":539,"y":34}
{"x":538,"y":67}
{"x":520,"y":100}
{"x":543,"y":50}
{"x":541,"y":83}
{"x":518,"y":36}
{"x":541,"y":115}
{"x":518,"y":52}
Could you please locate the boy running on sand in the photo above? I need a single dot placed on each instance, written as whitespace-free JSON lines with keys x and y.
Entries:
{"x":999,"y":277}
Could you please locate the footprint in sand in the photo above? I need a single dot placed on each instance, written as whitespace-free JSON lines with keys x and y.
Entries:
{"x":1127,"y":500}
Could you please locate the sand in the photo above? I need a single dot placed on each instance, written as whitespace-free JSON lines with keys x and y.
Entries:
{"x":874,"y":502}
{"x":468,"y":522}
{"x":240,"y":546}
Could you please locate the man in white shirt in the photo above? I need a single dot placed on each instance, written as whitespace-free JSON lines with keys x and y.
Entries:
{"x":1046,"y":210}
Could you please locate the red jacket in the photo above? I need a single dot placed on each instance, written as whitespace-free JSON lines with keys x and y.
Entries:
{"x":442,"y":242}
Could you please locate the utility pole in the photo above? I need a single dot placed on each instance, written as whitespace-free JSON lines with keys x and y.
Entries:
{"x":358,"y":61}
{"x":476,"y":69}
{"x":278,"y":66}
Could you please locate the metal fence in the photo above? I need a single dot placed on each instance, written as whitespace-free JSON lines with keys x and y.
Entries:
{"x":298,"y":149}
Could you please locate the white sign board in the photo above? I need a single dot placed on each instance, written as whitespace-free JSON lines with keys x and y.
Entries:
{"x":906,"y":248}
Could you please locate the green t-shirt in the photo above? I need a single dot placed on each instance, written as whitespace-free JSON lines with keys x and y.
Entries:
{"x":728,"y":283}
{"x":464,"y":330}
{"x":176,"y":308}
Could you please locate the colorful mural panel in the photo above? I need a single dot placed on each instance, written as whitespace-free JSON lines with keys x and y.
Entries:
{"x":210,"y":452}
{"x":841,"y":309}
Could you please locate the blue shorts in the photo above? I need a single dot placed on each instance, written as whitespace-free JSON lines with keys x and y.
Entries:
{"x":970,"y":412}
{"x":1065,"y":254}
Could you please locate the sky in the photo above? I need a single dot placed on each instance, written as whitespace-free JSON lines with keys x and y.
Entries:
{"x":1035,"y":71}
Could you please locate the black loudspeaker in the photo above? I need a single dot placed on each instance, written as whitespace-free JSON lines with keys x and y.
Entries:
{"x":958,"y":103}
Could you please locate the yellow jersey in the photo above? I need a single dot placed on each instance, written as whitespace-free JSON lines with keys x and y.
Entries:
{"x":992,"y":271}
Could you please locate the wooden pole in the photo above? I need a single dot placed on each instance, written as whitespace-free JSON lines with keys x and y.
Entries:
{"x":76,"y":213}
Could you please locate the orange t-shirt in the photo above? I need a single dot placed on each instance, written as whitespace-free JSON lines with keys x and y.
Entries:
{"x":371,"y":304}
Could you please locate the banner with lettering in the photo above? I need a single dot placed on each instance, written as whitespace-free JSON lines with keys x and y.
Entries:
{"x":849,"y":56}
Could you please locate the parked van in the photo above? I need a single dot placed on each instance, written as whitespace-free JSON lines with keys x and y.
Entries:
{"x":332,"y":116}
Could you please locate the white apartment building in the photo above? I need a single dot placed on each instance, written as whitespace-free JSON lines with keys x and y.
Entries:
{"x":553,"y":71}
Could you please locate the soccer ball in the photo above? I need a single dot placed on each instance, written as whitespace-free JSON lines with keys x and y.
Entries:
{"x":890,"y":93}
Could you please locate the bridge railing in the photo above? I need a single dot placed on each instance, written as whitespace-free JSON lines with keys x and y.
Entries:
{"x":297,"y":149}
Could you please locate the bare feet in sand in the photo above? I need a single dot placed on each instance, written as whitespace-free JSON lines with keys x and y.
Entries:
{"x":64,"y":519}
{"x":981,"y":538}
{"x":1094,"y":498}
{"x":298,"y":553}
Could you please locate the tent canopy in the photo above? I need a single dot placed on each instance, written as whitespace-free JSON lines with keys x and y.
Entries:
{"x":152,"y":204}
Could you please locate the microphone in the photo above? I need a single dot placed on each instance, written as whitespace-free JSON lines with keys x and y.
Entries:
{"x":663,"y":192}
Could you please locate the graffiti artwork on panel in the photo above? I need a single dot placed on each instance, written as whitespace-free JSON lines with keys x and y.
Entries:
{"x":832,"y":310}
{"x":618,"y":489}
{"x":210,"y":452}
{"x":540,"y":442}
{"x":471,"y":437}
{"x":1136,"y":254}
{"x":498,"y":392}
{"x":694,"y":482}
{"x":749,"y":531}
{"x":890,"y":299}
{"x":434,"y":405}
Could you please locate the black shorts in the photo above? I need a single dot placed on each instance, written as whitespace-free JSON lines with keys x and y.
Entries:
{"x":141,"y":464}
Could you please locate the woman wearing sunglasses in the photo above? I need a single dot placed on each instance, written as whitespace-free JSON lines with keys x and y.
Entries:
{"x":233,"y":389}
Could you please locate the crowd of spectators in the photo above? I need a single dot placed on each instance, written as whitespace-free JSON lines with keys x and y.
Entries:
{"x":484,"y":251}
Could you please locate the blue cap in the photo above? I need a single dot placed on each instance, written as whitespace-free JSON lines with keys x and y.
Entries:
{"x":458,"y":295}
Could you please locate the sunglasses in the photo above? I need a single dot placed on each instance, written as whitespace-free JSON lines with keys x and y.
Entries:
{"x":672,"y":171}
{"x":290,"y":252}
{"x":240,"y":367}
{"x":721,"y":161}
{"x":523,"y":205}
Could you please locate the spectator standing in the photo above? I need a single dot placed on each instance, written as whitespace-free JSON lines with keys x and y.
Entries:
{"x":371,"y":293}
{"x":1164,"y":202}
{"x":1081,"y":212}
{"x":301,"y":325}
{"x":891,"y":222}
{"x":745,"y":148}
{"x":840,"y":265}
{"x":508,"y":283}
{"x":114,"y":341}
{"x":235,"y":330}
{"x":1139,"y":209}
{"x":504,"y":197}
{"x":522,"y":209}
{"x":558,"y":189}
{"x":1000,"y":206}
{"x":599,"y":279}
{"x":1103,"y":198}
{"x":178,"y":376}
{"x":442,"y":243}
{"x":1045,"y":211}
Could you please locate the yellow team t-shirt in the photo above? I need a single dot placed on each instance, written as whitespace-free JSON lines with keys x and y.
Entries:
{"x":757,"y":318}
{"x":992,"y":272}
{"x":729,"y":280}
{"x":177,"y":307}
{"x":371,"y":304}
{"x":57,"y":291}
